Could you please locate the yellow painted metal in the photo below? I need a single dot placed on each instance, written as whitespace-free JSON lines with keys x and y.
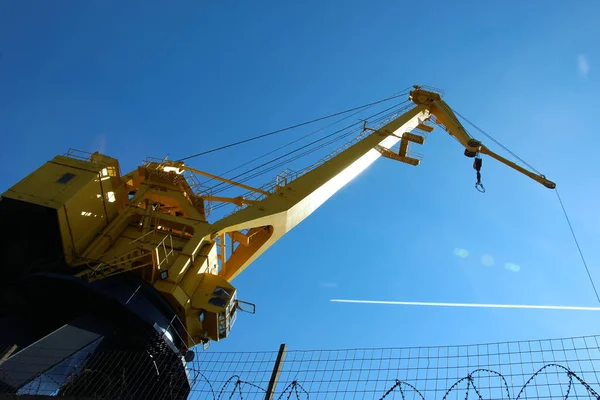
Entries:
{"x":223,"y":252}
{"x":218,"y":178}
{"x":425,"y":128}
{"x":239,"y":201}
{"x":161,"y":231}
{"x":411,"y":137}
{"x":387,"y":153}
{"x":291,"y":204}
{"x":538,"y":178}
{"x":84,"y":194}
{"x":445,"y":116}
{"x":216,"y":318}
{"x":239,"y":237}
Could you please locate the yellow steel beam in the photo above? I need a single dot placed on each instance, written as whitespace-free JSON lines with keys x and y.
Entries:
{"x":291,"y":204}
{"x":446,"y":117}
{"x":538,"y":178}
{"x":235,"y":200}
{"x":218,"y":178}
{"x":239,"y":237}
{"x":223,"y":254}
{"x":276,"y":214}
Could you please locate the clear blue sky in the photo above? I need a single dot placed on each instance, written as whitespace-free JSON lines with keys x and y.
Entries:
{"x":139,"y":78}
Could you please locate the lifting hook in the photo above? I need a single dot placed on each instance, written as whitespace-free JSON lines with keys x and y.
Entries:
{"x":477,"y":166}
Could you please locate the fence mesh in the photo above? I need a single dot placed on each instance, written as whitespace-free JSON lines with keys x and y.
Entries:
{"x":540,"y":369}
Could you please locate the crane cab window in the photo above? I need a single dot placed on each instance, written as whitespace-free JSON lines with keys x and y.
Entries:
{"x":65,"y":178}
{"x":217,"y":301}
{"x":220,"y":292}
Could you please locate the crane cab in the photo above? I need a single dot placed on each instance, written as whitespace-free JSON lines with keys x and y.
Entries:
{"x":216,"y":300}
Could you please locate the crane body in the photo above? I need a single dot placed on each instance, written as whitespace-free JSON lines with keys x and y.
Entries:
{"x":138,"y":250}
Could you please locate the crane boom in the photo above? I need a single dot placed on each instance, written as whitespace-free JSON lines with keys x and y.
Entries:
{"x":446,"y":116}
{"x":152,"y":222}
{"x":292,"y":203}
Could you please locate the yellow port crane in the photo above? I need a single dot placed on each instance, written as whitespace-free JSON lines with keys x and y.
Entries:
{"x":153,"y":221}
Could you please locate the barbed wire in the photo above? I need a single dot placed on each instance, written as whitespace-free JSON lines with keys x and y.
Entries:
{"x":542,"y":369}
{"x":471,"y":379}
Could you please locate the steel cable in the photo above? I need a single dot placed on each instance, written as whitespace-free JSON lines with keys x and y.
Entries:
{"x":289,"y":128}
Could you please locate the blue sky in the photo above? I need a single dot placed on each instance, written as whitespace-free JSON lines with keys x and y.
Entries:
{"x":136,"y":79}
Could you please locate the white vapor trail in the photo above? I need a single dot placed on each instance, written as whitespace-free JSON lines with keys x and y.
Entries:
{"x":474,"y":305}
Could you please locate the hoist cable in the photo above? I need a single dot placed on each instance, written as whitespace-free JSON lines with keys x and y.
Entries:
{"x":587,"y":270}
{"x":289,"y":144}
{"x":284,"y":162}
{"x":497,"y":142}
{"x":262,"y":172}
{"x":578,"y":247}
{"x":310,"y":151}
{"x":290,"y":127}
{"x":301,"y":148}
{"x":269,"y":169}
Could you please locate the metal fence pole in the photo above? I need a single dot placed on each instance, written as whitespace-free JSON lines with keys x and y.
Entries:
{"x":276,"y":370}
{"x":7,"y":353}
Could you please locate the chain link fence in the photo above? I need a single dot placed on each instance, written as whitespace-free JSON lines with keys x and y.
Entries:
{"x":539,"y":369}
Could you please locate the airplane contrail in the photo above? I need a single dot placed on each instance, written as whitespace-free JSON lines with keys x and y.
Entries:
{"x":474,"y":305}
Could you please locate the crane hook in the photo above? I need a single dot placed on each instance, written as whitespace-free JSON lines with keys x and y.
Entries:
{"x":477,"y":166}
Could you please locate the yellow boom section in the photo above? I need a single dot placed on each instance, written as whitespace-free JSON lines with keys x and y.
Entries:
{"x":446,"y":117}
{"x":289,"y":205}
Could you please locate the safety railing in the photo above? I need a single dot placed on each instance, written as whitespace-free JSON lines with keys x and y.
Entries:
{"x":433,"y":89}
{"x":272,"y":185}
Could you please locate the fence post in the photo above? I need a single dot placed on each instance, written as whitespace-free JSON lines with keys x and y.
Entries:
{"x":276,"y":370}
{"x":7,"y":353}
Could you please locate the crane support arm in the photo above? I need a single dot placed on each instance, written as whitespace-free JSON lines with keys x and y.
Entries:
{"x":538,"y":178}
{"x":445,"y":116}
{"x":279,"y":212}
